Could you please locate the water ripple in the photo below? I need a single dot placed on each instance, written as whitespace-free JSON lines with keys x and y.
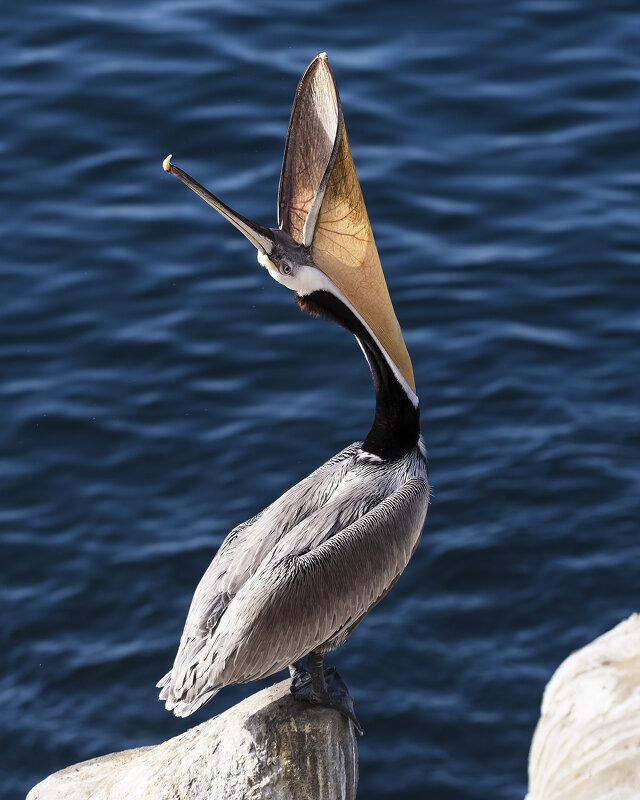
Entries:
{"x":157,"y":390}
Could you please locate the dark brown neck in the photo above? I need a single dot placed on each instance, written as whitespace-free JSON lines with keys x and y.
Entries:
{"x":396,"y":424}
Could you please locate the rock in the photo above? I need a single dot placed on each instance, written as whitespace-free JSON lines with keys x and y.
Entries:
{"x":587,"y":743}
{"x":270,"y":746}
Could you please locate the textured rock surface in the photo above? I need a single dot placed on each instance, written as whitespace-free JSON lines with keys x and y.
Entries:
{"x":268,"y":747}
{"x":587,"y":742}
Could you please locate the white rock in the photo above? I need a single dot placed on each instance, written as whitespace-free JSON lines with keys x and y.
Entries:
{"x":269,"y":747}
{"x":587,"y":743}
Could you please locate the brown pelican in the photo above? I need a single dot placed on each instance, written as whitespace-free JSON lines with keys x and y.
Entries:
{"x":296,"y":579}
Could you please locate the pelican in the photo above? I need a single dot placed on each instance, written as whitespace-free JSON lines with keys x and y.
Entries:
{"x":295,"y":580}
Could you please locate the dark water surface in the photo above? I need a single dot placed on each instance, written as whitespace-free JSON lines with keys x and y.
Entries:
{"x":157,"y":388}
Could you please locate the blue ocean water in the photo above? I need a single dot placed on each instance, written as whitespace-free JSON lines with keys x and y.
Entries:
{"x":157,"y":388}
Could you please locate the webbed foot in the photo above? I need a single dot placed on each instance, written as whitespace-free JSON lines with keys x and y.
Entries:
{"x":334,"y":693}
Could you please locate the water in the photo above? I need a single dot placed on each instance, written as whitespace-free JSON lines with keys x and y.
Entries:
{"x":157,"y":388}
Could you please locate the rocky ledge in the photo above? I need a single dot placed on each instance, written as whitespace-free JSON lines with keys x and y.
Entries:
{"x":269,"y":747}
{"x":587,"y":743}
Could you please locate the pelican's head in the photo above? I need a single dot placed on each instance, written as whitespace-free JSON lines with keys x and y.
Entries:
{"x":323,"y":248}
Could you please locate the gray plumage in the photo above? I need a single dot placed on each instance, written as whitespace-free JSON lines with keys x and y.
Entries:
{"x":299,"y":576}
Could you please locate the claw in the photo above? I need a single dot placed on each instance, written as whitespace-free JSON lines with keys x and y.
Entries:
{"x":337,"y":688}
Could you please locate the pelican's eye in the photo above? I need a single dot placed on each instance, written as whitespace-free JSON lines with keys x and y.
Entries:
{"x":286,"y":269}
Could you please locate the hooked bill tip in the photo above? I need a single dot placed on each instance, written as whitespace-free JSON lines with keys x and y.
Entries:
{"x":166,"y":164}
{"x":323,"y":56}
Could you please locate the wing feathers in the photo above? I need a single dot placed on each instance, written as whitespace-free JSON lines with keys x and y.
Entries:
{"x":294,"y":606}
{"x":238,"y":558}
{"x":299,"y":599}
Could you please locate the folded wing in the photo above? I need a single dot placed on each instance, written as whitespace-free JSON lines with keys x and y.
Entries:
{"x":303,"y":602}
{"x":240,"y":556}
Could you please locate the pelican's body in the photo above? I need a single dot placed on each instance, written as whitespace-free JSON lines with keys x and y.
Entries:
{"x":297,"y":578}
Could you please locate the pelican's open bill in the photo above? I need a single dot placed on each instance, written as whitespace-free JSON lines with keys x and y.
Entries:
{"x":295,"y":580}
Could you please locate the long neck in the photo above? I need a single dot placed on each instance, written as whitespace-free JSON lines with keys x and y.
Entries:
{"x":396,"y":424}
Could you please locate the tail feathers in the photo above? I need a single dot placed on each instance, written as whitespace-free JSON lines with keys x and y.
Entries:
{"x":184,"y":708}
{"x":186,"y":692}
{"x":188,"y":703}
{"x":164,"y":681}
